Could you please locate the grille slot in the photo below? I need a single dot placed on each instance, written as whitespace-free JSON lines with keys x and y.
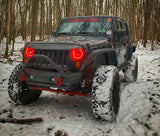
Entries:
{"x":58,"y":57}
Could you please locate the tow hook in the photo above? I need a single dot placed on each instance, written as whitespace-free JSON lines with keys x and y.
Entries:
{"x":59,"y":81}
{"x":22,"y":77}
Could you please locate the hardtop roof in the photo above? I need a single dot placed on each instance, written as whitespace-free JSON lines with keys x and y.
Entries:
{"x":94,"y":16}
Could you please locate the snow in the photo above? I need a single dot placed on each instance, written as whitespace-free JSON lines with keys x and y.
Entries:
{"x":139,"y":113}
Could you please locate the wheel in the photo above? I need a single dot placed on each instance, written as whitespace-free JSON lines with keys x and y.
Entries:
{"x":18,"y":90}
{"x":130,"y":74}
{"x":106,"y":93}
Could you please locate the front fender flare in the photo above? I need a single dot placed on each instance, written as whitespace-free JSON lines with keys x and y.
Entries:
{"x":108,"y":52}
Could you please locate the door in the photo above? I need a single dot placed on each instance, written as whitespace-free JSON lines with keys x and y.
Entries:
{"x":120,"y":40}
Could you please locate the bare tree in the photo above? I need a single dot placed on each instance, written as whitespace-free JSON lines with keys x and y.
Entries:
{"x":8,"y":28}
{"x":68,"y":8}
{"x":12,"y":26}
{"x":58,"y":12}
{"x":134,"y":21}
{"x":34,"y":19}
{"x":100,"y":7}
{"x":42,"y":20}
{"x":147,"y":13}
{"x":2,"y":20}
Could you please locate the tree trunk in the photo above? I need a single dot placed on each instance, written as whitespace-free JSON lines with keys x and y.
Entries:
{"x":47,"y":19}
{"x":1,"y":22}
{"x":88,"y":8}
{"x":134,"y":21}
{"x":41,"y":20}
{"x":93,"y":7}
{"x":77,"y":8}
{"x":34,"y":19}
{"x":106,"y":7}
{"x":14,"y":120}
{"x":50,"y":17}
{"x":153,"y":22}
{"x":58,"y":13}
{"x":13,"y":26}
{"x":147,"y":13}
{"x":63,"y":8}
{"x":116,"y":8}
{"x":81,"y":8}
{"x":28,"y":4}
{"x":68,"y":8}
{"x":8,"y":29}
{"x":100,"y":7}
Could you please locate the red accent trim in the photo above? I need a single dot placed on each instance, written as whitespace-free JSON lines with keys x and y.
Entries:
{"x":58,"y":91}
{"x":83,"y":20}
{"x":59,"y":80}
{"x":22,"y":76}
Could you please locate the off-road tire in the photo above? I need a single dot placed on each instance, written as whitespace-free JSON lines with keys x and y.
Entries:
{"x":106,"y":93}
{"x":18,"y":90}
{"x":131,"y":73}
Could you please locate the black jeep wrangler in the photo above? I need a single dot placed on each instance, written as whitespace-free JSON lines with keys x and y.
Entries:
{"x":84,"y":56}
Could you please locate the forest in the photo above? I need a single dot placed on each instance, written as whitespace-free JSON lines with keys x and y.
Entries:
{"x":39,"y":18}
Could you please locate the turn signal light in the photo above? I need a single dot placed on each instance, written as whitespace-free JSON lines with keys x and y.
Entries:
{"x":28,"y":52}
{"x":77,"y":54}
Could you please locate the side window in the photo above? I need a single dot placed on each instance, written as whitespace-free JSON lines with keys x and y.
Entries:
{"x":127,"y":29}
{"x":120,"y":25}
{"x":123,"y":26}
{"x":117,"y":25}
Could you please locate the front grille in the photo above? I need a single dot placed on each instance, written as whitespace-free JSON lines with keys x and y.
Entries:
{"x":58,"y":57}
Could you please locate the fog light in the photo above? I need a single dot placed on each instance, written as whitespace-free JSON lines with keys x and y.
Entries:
{"x":31,"y":76}
{"x":53,"y":79}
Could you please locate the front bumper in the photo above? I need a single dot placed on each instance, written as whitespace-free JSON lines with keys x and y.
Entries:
{"x":51,"y":79}
{"x":50,"y":75}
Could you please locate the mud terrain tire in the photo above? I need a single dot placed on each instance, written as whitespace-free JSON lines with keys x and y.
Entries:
{"x":130,"y":74}
{"x":106,"y":93}
{"x":18,"y":90}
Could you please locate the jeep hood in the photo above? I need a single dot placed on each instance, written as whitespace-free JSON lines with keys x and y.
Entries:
{"x":67,"y":43}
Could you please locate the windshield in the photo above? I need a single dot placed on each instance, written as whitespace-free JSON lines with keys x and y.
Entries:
{"x":94,"y":26}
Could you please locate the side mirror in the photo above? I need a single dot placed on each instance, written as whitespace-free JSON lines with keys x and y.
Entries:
{"x":54,"y":33}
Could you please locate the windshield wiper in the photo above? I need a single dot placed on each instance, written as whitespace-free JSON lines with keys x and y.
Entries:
{"x":84,"y":33}
{"x":64,"y":33}
{"x":74,"y":33}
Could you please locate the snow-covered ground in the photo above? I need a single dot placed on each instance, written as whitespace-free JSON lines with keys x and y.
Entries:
{"x":139,"y":113}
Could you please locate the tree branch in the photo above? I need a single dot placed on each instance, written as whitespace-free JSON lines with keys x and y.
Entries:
{"x":14,"y":120}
